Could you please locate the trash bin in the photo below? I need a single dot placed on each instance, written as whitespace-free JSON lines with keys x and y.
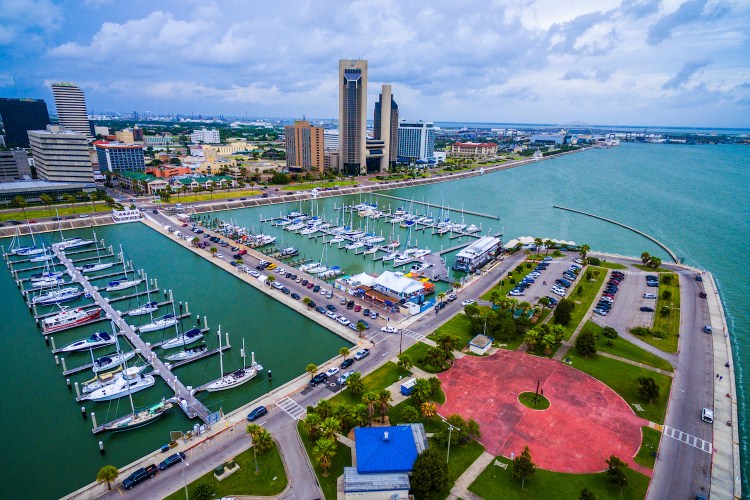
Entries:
{"x":219,"y":470}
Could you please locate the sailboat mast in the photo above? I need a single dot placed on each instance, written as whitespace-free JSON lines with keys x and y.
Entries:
{"x":221,"y":354}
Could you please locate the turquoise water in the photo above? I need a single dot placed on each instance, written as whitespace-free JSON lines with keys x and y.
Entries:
{"x":692,"y":198}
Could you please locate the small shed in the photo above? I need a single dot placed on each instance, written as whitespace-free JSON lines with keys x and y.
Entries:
{"x":408,"y":387}
{"x":480,"y":344}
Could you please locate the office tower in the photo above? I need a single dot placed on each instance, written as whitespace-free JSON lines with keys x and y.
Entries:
{"x":61,"y":155}
{"x":120,"y":157}
{"x":129,"y":135}
{"x":386,"y":127}
{"x":353,"y":115}
{"x":19,"y":116}
{"x":14,"y":165}
{"x":304,"y":146}
{"x":205,"y":136}
{"x":71,"y":108}
{"x":416,"y":140}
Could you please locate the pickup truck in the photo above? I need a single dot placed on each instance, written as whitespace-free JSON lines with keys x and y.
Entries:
{"x":139,"y":476}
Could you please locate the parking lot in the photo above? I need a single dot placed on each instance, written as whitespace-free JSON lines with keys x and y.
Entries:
{"x":542,"y":285}
{"x":625,"y":313}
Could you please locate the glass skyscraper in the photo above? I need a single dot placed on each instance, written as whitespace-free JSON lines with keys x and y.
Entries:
{"x":19,"y":116}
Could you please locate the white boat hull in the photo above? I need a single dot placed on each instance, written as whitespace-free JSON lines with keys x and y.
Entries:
{"x":118,"y":390}
{"x":156,"y":325}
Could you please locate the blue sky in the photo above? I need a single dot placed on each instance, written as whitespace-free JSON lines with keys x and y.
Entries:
{"x":643,"y":62}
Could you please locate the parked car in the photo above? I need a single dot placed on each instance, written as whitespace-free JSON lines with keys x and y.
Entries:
{"x":708,"y":329}
{"x":257,"y":413}
{"x":171,"y":460}
{"x":357,"y":308}
{"x":346,"y":363}
{"x":294,"y":296}
{"x":344,"y":376}
{"x":467,"y":302}
{"x":451,"y":297}
{"x":647,"y":309}
{"x":332,"y":371}
{"x":139,"y":476}
{"x":317,"y":379}
{"x":361,"y":354}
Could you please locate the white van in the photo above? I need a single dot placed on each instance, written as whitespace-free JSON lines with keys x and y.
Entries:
{"x":707,"y":415}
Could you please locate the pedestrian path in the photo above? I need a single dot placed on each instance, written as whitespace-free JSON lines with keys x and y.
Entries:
{"x":688,"y":439}
{"x":636,"y":363}
{"x":461,"y":488}
{"x":291,"y":408}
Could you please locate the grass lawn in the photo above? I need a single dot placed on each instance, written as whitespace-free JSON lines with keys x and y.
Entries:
{"x":649,"y":445}
{"x":37,"y":212}
{"x":379,"y":379}
{"x":527,"y":399}
{"x":621,"y":377}
{"x":509,"y":345}
{"x":650,"y":269}
{"x":495,"y":482}
{"x":583,"y":301}
{"x":217,"y":195}
{"x":244,"y":481}
{"x":462,"y":456}
{"x":342,"y":458}
{"x":417,"y":352}
{"x":459,"y":325}
{"x":668,"y":324}
{"x":625,"y":349}
{"x":296,"y":186}
{"x":430,"y":424}
{"x":612,"y":265}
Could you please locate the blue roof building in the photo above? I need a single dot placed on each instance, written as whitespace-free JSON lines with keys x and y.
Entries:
{"x":388,"y":449}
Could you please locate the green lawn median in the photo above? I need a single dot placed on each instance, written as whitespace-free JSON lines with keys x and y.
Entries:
{"x":624,"y":349}
{"x":646,"y":455}
{"x":496,"y":482}
{"x":667,"y":314}
{"x":623,"y":379}
{"x":342,"y":458}
{"x":584,"y":299}
{"x":378,"y":379}
{"x":270,"y":480}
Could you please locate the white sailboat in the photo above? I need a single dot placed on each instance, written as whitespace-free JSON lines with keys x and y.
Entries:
{"x":238,"y":377}
{"x":148,"y":308}
{"x":181,"y":340}
{"x":126,"y":382}
{"x":57,"y":296}
{"x":186,"y":354}
{"x":112,"y":360}
{"x":157,"y":324}
{"x":97,"y":266}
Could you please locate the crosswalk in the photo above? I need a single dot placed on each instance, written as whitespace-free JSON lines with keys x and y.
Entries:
{"x":688,"y":439}
{"x":291,"y":408}
{"x":413,"y":335}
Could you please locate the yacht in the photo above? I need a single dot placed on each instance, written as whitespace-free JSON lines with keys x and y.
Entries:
{"x":69,"y":319}
{"x":401,"y":259}
{"x":187,"y":354}
{"x":289,"y":252}
{"x":112,"y":360}
{"x":37,"y":277}
{"x":355,"y":245}
{"x":57,"y":296}
{"x":98,"y":339}
{"x":126,"y":382}
{"x":390,"y":256}
{"x":189,"y":337}
{"x":72,"y":243}
{"x":137,"y":418}
{"x":472,"y":229}
{"x":45,"y":282}
{"x":238,"y":377}
{"x":337,"y":239}
{"x":90,"y":268}
{"x":147,"y":308}
{"x":159,"y":323}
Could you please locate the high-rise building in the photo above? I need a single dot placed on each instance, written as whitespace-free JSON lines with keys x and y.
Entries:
{"x":71,"y":108}
{"x":416,"y":140}
{"x":14,"y":165}
{"x":331,"y":139}
{"x":120,"y":157}
{"x":61,"y":155}
{"x":19,"y":116}
{"x":304,"y":146}
{"x":205,"y":136}
{"x":353,"y":115}
{"x":386,"y":127}
{"x":129,"y":135}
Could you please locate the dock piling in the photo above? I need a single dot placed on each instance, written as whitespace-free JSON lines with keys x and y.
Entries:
{"x":101,"y":447}
{"x":62,"y":362}
{"x":57,"y":360}
{"x":205,"y":322}
{"x":67,"y":381}
{"x":93,"y":419}
{"x":78,"y":392}
{"x":52,"y":342}
{"x":83,"y":409}
{"x":187,"y":310}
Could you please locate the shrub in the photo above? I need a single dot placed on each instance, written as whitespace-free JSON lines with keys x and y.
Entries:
{"x":594,"y":261}
{"x":666,"y":294}
{"x":579,"y":290}
{"x":512,"y":281}
{"x":610,"y":332}
{"x":658,"y":334}
{"x":611,"y":343}
{"x":667,"y":279}
{"x":640,"y":330}
{"x":665,"y":311}
{"x":410,"y":414}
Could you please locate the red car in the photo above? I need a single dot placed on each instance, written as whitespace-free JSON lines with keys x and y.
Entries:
{"x":357,"y":308}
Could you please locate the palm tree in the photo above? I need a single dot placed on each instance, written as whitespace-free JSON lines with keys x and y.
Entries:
{"x":47,"y":200}
{"x":311,"y":368}
{"x":525,"y":307}
{"x":344,"y":351}
{"x":94,"y":196}
{"x":547,"y":245}
{"x":195,"y":241}
{"x":307,"y":301}
{"x":544,"y":301}
{"x":405,"y":362}
{"x":428,"y":409}
{"x":270,"y":280}
{"x":441,"y":296}
{"x":329,"y":427}
{"x":645,"y":257}
{"x":548,"y":342}
{"x":505,"y":303}
{"x":69,"y":199}
{"x":261,"y":438}
{"x":370,"y":399}
{"x":495,"y":297}
{"x":532,"y":339}
{"x":324,"y":408}
{"x":538,"y":242}
{"x":360,"y":328}
{"x":355,"y":384}
{"x":324,"y":451}
{"x":384,"y":397}
{"x":20,"y":202}
{"x":107,"y":474}
{"x":213,"y":251}
{"x":311,"y":424}
{"x":583,"y":250}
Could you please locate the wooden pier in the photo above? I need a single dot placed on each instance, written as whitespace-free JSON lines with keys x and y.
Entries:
{"x":427,"y":204}
{"x":192,"y":406}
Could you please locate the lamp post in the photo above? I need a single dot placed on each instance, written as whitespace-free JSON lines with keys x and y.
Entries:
{"x":450,"y":432}
{"x":184,"y":477}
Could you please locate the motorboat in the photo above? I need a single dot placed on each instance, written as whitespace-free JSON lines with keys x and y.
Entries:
{"x":69,"y":319}
{"x":472,"y":228}
{"x":307,"y":267}
{"x":355,"y":245}
{"x":112,"y":360}
{"x":336,"y":239}
{"x":137,"y":418}
{"x":187,"y":354}
{"x":401,"y":259}
{"x":146,"y":308}
{"x":317,"y":269}
{"x":237,"y":377}
{"x":390,"y":256}
{"x":72,"y":243}
{"x":90,"y":268}
{"x":98,"y":339}
{"x":189,"y":337}
{"x":159,"y":323}
{"x":371,"y":250}
{"x":420,"y":268}
{"x":117,"y":285}
{"x":57,"y":296}
{"x":126,"y":382}
{"x":289,"y":251}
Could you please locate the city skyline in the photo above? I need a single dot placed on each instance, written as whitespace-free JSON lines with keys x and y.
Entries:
{"x":668,"y":63}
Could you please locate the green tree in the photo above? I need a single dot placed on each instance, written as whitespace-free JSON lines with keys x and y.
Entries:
{"x":311,"y":425}
{"x":47,"y":200}
{"x":261,"y":438}
{"x":666,"y":294}
{"x":213,"y":251}
{"x":430,"y":475}
{"x":311,"y":368}
{"x":586,"y":494}
{"x":523,"y":467}
{"x":329,"y":427}
{"x":107,"y":474}
{"x":203,"y":491}
{"x":410,"y":414}
{"x":307,"y":301}
{"x":359,"y":414}
{"x":616,"y":473}
{"x":405,"y":362}
{"x":654,"y":262}
{"x":645,"y":257}
{"x":324,"y":408}
{"x":20,"y":202}
{"x":586,"y":343}
{"x":547,"y":245}
{"x":370,"y":399}
{"x":533,"y":338}
{"x":94,"y":196}
{"x":422,"y":391}
{"x":355,"y":384}
{"x":69,"y":199}
{"x":384,"y":398}
{"x":344,"y":351}
{"x":583,"y":250}
{"x":435,"y":386}
{"x":270,"y":279}
{"x":648,"y":388}
{"x":564,"y":312}
{"x":360,"y":328}
{"x":324,"y":451}
{"x":609,"y":332}
{"x":447,"y":342}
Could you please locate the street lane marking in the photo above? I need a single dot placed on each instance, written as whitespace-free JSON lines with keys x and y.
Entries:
{"x":291,"y":408}
{"x":688,"y":439}
{"x":413,"y":335}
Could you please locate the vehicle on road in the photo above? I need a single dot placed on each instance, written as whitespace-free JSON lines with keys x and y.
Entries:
{"x":707,"y":415}
{"x":257,"y":413}
{"x":451,"y":297}
{"x":139,"y":476}
{"x":707,"y":329}
{"x":318,"y":379}
{"x":295,"y":296}
{"x":361,"y":354}
{"x":171,"y":460}
{"x":346,"y":363}
{"x":344,"y":376}
{"x":467,"y":302}
{"x":647,"y":309}
{"x":332,"y":371}
{"x":649,"y":295}
{"x":389,"y":329}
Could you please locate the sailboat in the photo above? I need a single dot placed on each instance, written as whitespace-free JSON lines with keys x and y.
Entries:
{"x":57,"y":296}
{"x":111,"y":360}
{"x":97,"y":266}
{"x":238,"y":377}
{"x":136,"y":418}
{"x":147,"y":308}
{"x":159,"y":323}
{"x":186,"y":354}
{"x":181,"y":340}
{"x":124,"y":284}
{"x":126,"y":382}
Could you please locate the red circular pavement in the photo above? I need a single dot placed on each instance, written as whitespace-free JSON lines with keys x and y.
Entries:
{"x":585,"y":423}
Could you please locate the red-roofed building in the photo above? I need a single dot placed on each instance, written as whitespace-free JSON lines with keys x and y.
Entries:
{"x":473,"y":149}
{"x":167,"y":172}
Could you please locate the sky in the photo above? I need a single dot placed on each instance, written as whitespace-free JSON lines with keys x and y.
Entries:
{"x":640,"y":62}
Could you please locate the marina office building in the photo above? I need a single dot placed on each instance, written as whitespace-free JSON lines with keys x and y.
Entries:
{"x":477,"y":254}
{"x":19,"y":116}
{"x":120,"y":157}
{"x":304,"y":147}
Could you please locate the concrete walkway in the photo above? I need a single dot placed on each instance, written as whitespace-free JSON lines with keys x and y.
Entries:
{"x":636,"y":363}
{"x":461,"y":488}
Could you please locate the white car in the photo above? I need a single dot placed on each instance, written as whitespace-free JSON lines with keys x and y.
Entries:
{"x":515,"y":293}
{"x":280,"y":270}
{"x":578,"y":261}
{"x":344,"y":376}
{"x":332,"y":371}
{"x":559,"y":292}
{"x":253,"y":272}
{"x":361,"y":354}
{"x":649,"y":296}
{"x":323,"y":291}
{"x":220,"y":256}
{"x":277,"y":285}
{"x":389,"y":329}
{"x":533,"y":275}
{"x":343,"y":320}
{"x":331,"y":314}
{"x":468,"y":302}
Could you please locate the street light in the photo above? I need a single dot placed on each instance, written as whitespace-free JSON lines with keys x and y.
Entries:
{"x":450,"y":432}
{"x":184,"y":477}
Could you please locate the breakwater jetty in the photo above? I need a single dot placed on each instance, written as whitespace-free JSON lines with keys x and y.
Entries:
{"x":664,"y":247}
